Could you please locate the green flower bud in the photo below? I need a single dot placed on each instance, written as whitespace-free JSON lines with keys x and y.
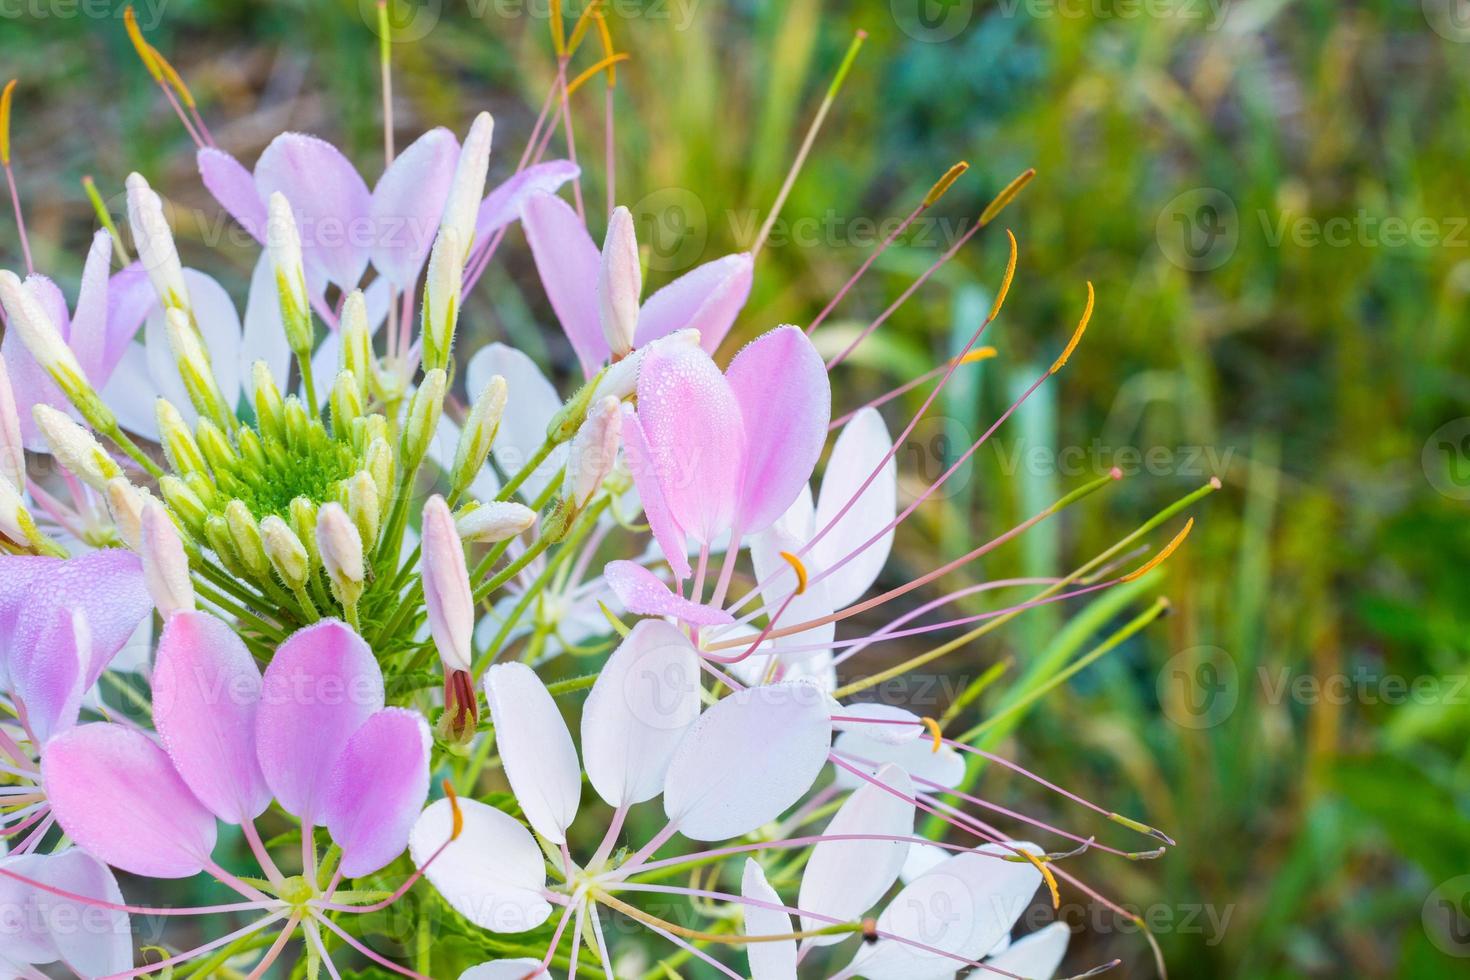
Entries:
{"x":364,"y":506}
{"x":283,"y":243}
{"x":423,"y":418}
{"x":286,"y":552}
{"x":478,"y":434}
{"x":269,"y":409}
{"x":568,"y":419}
{"x":357,"y":343}
{"x":379,"y":461}
{"x":298,"y":424}
{"x":245,"y":534}
{"x":185,"y":503}
{"x":346,"y":403}
{"x":178,"y":442}
{"x":215,"y":446}
{"x":303,"y":522}
{"x":194,"y":369}
{"x":217,"y":534}
{"x":75,"y":448}
{"x":252,"y":451}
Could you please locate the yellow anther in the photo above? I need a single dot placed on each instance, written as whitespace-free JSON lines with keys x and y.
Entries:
{"x":978,"y":354}
{"x":175,"y":80}
{"x":591,"y":73}
{"x":1007,"y":194}
{"x":934,"y":732}
{"x":1076,"y":334}
{"x":457,"y":826}
{"x":798,"y":568}
{"x":1051,"y":879}
{"x":144,"y":49}
{"x":5,"y":100}
{"x":944,"y":183}
{"x":1162,"y":556}
{"x":558,"y":29}
{"x":1005,"y":281}
{"x":580,"y":28}
{"x":607,"y":47}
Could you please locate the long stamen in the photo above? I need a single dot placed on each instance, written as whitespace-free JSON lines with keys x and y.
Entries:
{"x":277,"y":947}
{"x":978,"y":354}
{"x":7,"y":97}
{"x":198,"y":951}
{"x":365,"y":951}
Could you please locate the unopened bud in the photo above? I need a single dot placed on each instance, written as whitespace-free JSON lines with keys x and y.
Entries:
{"x":165,"y":566}
{"x":269,"y":409}
{"x":423,"y":418}
{"x":619,"y":283}
{"x":568,"y":419}
{"x":379,"y":462}
{"x":217,"y":534}
{"x":283,"y":242}
{"x":593,"y":451}
{"x":16,"y":522}
{"x":184,"y":502}
{"x":194,"y":369}
{"x":298,"y":424}
{"x":346,"y":402}
{"x":29,"y":319}
{"x":126,"y":503}
{"x":462,"y":207}
{"x":303,"y":521}
{"x":75,"y":448}
{"x":155,"y":243}
{"x":215,"y":447}
{"x":286,"y":552}
{"x":478,"y":434}
{"x":12,"y":448}
{"x":357,"y":342}
{"x":341,"y":551}
{"x":364,"y":506}
{"x":179,"y":446}
{"x":442,"y":292}
{"x":447,"y":594}
{"x":497,"y":520}
{"x":245,"y":534}
{"x":620,"y":379}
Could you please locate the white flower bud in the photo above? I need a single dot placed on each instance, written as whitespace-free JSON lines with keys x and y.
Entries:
{"x":594,"y":449}
{"x":478,"y":434}
{"x":286,"y":552}
{"x":155,"y":243}
{"x":15,"y":521}
{"x":29,"y":319}
{"x":341,"y":552}
{"x":12,"y":448}
{"x":619,"y":283}
{"x":75,"y":448}
{"x":364,"y":506}
{"x":179,"y":446}
{"x":165,"y":566}
{"x":620,"y":379}
{"x":462,"y":208}
{"x":245,"y":535}
{"x":283,"y":242}
{"x":126,"y":503}
{"x":447,"y":593}
{"x":497,"y":520}
{"x":194,"y":368}
{"x":442,"y":291}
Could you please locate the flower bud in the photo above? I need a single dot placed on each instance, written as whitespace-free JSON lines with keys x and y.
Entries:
{"x":497,"y":520}
{"x":619,"y":283}
{"x":126,"y":503}
{"x":217,"y":534}
{"x":447,"y":593}
{"x":165,"y":566}
{"x":303,"y":522}
{"x":378,"y":461}
{"x":283,"y":242}
{"x":203,"y":488}
{"x":179,"y":446}
{"x":569,"y":418}
{"x":298,"y":424}
{"x":462,"y":207}
{"x":75,"y":448}
{"x":286,"y":552}
{"x":423,"y":419}
{"x":341,"y":551}
{"x":12,"y":447}
{"x":364,"y":506}
{"x":155,"y":242}
{"x":184,"y":502}
{"x":346,"y":402}
{"x":251,"y":450}
{"x":620,"y":379}
{"x":245,"y":534}
{"x":593,"y":450}
{"x":29,"y":319}
{"x":478,"y":434}
{"x":215,"y":447}
{"x":16,"y":522}
{"x":357,"y":342}
{"x":194,"y":369}
{"x":269,"y":409}
{"x":443,"y":289}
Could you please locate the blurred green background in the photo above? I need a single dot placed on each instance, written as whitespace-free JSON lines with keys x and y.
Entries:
{"x":1270,"y":198}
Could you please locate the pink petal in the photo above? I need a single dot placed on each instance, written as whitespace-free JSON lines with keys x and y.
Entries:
{"x":707,"y":298}
{"x":89,"y":334}
{"x":666,"y":531}
{"x":692,"y":422}
{"x":785,"y":401}
{"x":206,"y":693}
{"x":320,"y":687}
{"x":567,"y":262}
{"x":329,"y":199}
{"x":234,"y":188}
{"x":377,"y":789}
{"x":503,"y":204}
{"x":51,"y":688}
{"x":17,"y":572}
{"x":115,"y":793}
{"x":129,"y":298}
{"x":644,"y":593}
{"x":408,"y":203}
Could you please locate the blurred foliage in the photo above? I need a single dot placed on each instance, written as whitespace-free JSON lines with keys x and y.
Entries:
{"x":1312,"y":376}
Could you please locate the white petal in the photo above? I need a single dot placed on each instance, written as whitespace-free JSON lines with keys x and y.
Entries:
{"x":503,"y":970}
{"x":780,"y":581}
{"x":757,"y":668}
{"x":921,"y":859}
{"x":844,"y":878}
{"x":493,"y":875}
{"x":132,"y":394}
{"x":644,"y":701}
{"x":265,"y":335}
{"x":774,"y":960}
{"x":536,"y":749}
{"x":963,"y":907}
{"x":889,"y":723}
{"x":530,"y":404}
{"x":748,"y":759}
{"x":917,"y":758}
{"x":859,"y":447}
{"x":1035,"y":956}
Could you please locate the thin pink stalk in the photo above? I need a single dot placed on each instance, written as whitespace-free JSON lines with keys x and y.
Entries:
{"x":198,"y":951}
{"x":257,"y":847}
{"x":576,"y":914}
{"x":566,"y":118}
{"x":277,"y":947}
{"x":862,"y":269}
{"x":20,"y":221}
{"x":183,"y":117}
{"x":693,"y":950}
{"x":614,"y":827}
{"x":365,"y":951}
{"x":561,"y":926}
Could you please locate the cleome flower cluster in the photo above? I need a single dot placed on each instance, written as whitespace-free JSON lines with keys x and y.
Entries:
{"x":282,"y":577}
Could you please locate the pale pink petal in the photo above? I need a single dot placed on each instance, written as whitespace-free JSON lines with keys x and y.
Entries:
{"x":206,"y":695}
{"x":707,"y":298}
{"x":748,"y":759}
{"x":116,"y":794}
{"x":408,"y":202}
{"x":845,"y":878}
{"x":1036,"y":956}
{"x":503,"y":204}
{"x":320,"y":687}
{"x":88,"y":339}
{"x":886,"y":723}
{"x":536,"y":749}
{"x":692,"y":422}
{"x":130,"y":297}
{"x":779,"y":578}
{"x":331,"y":203}
{"x":493,"y":874}
{"x":17,"y":572}
{"x":645,"y":699}
{"x":671,"y":538}
{"x":780,"y":383}
{"x":860,"y":448}
{"x":567,"y":261}
{"x":41,"y":927}
{"x":644,"y":593}
{"x":132,"y":394}
{"x":52,"y":686}
{"x":768,"y":960}
{"x":234,"y":188}
{"x":377,"y":789}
